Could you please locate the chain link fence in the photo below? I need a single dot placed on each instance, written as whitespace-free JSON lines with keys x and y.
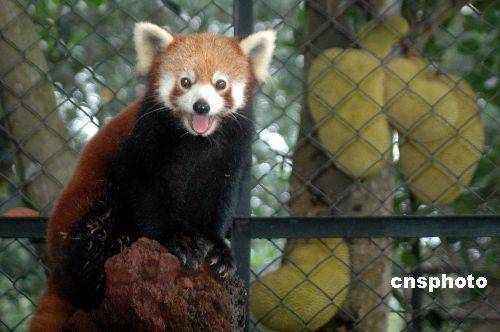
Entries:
{"x":319,"y":285}
{"x":375,"y":109}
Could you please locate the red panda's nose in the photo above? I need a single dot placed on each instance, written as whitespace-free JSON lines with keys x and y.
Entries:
{"x":201,"y":107}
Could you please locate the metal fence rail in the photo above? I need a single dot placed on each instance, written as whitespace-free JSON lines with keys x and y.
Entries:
{"x":246,"y":229}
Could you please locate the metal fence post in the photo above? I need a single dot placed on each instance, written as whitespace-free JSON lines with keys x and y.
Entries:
{"x":243,"y":26}
{"x":240,"y":239}
{"x":243,"y":17}
{"x":240,"y":244}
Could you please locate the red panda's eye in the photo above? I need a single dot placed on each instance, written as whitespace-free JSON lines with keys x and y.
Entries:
{"x":220,"y":85}
{"x":185,"y":82}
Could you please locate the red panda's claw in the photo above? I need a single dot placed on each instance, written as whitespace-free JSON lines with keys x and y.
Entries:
{"x":182,"y":258}
{"x":190,"y":250}
{"x":221,"y":261}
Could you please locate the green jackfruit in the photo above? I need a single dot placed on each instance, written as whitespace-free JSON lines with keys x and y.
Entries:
{"x":439,"y":171}
{"x":380,"y":36}
{"x":419,"y":104}
{"x":307,"y":290}
{"x":345,"y":99}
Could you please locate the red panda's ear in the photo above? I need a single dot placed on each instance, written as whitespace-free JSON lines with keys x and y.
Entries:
{"x":149,"y":39}
{"x":259,"y":47}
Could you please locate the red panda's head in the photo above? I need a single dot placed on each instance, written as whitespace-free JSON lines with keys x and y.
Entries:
{"x":204,"y":77}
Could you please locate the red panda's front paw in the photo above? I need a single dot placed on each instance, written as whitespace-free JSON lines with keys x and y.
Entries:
{"x":190,"y":250}
{"x":221,"y":260}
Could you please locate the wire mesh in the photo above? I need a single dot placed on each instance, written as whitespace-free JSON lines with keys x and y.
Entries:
{"x":408,"y":309}
{"x":282,"y":296}
{"x":335,"y":140}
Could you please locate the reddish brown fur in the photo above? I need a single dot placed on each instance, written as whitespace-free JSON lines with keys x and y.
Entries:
{"x":176,"y":92}
{"x":220,"y":53}
{"x":90,"y":177}
{"x":252,"y":81}
{"x":228,"y":99}
{"x":88,"y":182}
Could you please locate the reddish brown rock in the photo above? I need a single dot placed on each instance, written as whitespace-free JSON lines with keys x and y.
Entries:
{"x":147,"y":290}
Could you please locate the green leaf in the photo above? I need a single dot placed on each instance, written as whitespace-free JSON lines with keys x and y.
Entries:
{"x":409,"y":259}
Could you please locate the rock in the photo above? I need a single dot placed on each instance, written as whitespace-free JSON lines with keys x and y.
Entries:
{"x":147,"y":290}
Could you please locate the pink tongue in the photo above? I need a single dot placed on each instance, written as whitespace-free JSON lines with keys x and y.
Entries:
{"x":200,"y":123}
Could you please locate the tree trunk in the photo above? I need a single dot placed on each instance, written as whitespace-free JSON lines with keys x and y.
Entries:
{"x":319,"y":188}
{"x":44,"y":160}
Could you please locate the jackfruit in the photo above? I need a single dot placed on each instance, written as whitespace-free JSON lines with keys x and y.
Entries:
{"x":380,"y":36}
{"x":307,"y":290}
{"x":345,"y":99}
{"x":418,"y":104}
{"x":465,"y":97}
{"x":439,"y":171}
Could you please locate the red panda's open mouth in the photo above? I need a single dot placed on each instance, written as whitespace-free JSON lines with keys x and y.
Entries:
{"x":200,"y":123}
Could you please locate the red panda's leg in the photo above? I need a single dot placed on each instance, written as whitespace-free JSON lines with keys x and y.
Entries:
{"x":189,"y":246}
{"x":99,"y":236}
{"x":193,"y":248}
{"x":89,"y":180}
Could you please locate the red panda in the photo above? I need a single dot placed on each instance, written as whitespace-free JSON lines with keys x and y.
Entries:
{"x":167,"y":168}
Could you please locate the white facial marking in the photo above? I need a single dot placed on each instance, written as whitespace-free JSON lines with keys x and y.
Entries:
{"x":201,"y":91}
{"x":189,"y":95}
{"x":165,"y":87}
{"x":189,"y":74}
{"x":238,"y":94}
